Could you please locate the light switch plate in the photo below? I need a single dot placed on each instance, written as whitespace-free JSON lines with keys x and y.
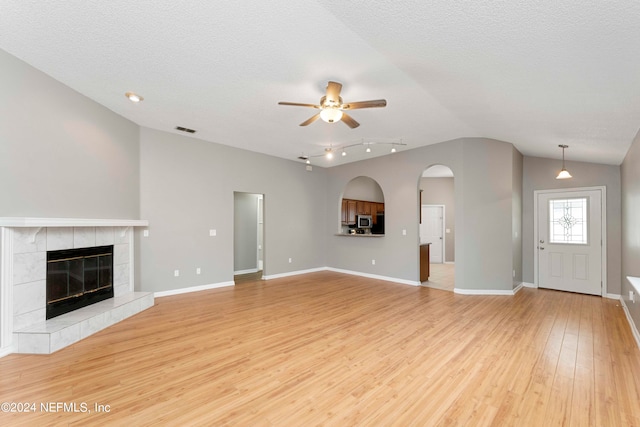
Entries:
{"x":212,"y":233}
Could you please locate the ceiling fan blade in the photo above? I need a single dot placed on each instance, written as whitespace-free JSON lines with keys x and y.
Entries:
{"x":333,"y":92}
{"x":348,"y":120}
{"x":297,"y":104}
{"x":311,"y":120}
{"x":365,"y":104}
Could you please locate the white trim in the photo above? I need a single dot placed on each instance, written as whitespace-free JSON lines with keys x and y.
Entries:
{"x":632,"y":325}
{"x":449,"y":262}
{"x":375,"y":276}
{"x":247,"y":271}
{"x":192,"y":289}
{"x":517,"y":288}
{"x":70,"y":222}
{"x":7,"y":351}
{"x":529,"y":285}
{"x":511,"y":292}
{"x":292,"y":273}
{"x":603,"y":219}
{"x":613,"y":296}
{"x":6,"y":290}
{"x":131,"y":261}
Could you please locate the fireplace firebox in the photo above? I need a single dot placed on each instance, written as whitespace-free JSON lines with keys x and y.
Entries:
{"x":77,"y":278}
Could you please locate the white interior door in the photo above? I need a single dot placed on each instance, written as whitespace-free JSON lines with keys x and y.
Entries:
{"x":431,"y":231}
{"x":569,"y":241}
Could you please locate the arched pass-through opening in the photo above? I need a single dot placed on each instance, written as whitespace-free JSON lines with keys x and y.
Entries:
{"x":437,"y":227}
{"x":361,"y":208}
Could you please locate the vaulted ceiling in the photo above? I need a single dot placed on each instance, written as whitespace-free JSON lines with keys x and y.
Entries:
{"x":533,"y":73}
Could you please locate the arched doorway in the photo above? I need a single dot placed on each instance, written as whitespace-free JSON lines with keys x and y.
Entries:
{"x":437,"y":227}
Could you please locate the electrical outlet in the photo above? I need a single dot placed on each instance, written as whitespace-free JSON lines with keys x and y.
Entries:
{"x":176,"y":273}
{"x":514,"y":273}
{"x":212,"y":233}
{"x":289,"y":260}
{"x":373,"y":262}
{"x":404,"y":232}
{"x":198,"y":270}
{"x":145,"y":233}
{"x":632,"y":296}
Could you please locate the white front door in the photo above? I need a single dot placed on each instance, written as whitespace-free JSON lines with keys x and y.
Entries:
{"x":431,"y":231}
{"x":569,"y":241}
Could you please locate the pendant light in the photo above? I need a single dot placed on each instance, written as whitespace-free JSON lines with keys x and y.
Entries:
{"x":564,"y":173}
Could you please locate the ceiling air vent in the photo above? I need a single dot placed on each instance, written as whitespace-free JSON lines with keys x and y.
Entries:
{"x":180,"y":128}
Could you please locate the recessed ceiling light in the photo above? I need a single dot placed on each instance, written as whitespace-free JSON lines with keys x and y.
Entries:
{"x":133,"y":97}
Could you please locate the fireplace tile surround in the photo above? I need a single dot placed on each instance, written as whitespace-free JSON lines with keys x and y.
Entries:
{"x":24,"y":243}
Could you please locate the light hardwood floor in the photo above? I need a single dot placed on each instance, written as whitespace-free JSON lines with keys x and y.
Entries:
{"x":339,"y":350}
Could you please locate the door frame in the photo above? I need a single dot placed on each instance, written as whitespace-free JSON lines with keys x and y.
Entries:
{"x":603,"y":226}
{"x":444,"y":258}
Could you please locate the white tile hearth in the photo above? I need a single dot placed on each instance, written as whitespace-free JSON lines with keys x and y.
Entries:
{"x":62,"y":331}
{"x":24,"y":243}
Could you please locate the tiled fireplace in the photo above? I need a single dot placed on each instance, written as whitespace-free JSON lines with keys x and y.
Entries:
{"x":24,"y":244}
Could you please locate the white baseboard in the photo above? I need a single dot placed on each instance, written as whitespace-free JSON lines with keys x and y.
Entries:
{"x":613,"y":296}
{"x":632,"y":325}
{"x":293,"y":273}
{"x":375,"y":276}
{"x":249,"y":271}
{"x":449,"y":262}
{"x":7,"y":351}
{"x":529,"y":285}
{"x":517,"y":288}
{"x":511,"y":292}
{"x":192,"y":289}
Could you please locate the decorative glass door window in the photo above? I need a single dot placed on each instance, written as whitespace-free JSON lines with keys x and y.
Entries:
{"x":568,"y":221}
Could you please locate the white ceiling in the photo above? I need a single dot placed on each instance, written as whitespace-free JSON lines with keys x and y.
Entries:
{"x":533,"y":73}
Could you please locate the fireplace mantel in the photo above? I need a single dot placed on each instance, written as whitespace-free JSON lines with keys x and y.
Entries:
{"x":70,"y":222}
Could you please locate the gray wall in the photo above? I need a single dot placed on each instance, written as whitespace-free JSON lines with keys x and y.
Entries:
{"x":245,"y":231}
{"x":516,"y":216}
{"x":61,"y":154}
{"x":187,"y":188}
{"x":363,"y":188}
{"x":440,"y":191}
{"x":630,"y":176}
{"x":539,"y":174}
{"x":483,"y":198}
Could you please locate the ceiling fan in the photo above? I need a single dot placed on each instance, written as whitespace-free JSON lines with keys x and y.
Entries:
{"x":333,"y":110}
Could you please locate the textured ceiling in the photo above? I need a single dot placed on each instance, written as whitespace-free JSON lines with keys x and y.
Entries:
{"x":535,"y":73}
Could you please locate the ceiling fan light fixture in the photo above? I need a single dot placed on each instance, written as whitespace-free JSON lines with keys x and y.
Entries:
{"x":331,"y":115}
{"x":564,"y":173}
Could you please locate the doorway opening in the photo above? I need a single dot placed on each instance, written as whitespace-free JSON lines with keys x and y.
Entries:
{"x":248,"y":237}
{"x":437,"y":228}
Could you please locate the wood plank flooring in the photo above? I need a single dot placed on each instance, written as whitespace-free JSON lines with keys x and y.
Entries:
{"x":337,"y":350}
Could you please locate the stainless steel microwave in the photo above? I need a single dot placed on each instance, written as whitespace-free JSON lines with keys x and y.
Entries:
{"x":364,"y":221}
